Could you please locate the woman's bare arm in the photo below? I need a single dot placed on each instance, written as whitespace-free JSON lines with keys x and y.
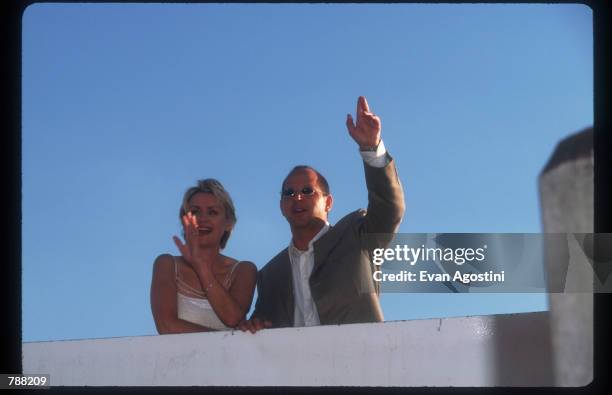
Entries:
{"x":232,"y":305}
{"x":163,"y":299}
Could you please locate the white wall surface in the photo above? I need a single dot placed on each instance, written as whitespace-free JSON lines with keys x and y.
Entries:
{"x":508,"y":350}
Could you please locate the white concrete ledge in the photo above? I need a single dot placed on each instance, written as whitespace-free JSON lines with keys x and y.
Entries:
{"x":496,"y":350}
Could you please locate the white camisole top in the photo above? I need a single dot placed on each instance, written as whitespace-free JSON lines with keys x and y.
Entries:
{"x":193,"y":306}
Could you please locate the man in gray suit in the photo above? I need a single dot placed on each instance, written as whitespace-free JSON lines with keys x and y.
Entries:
{"x":325,"y":275}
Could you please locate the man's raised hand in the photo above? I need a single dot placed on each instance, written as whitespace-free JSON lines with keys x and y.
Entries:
{"x":366,"y":131}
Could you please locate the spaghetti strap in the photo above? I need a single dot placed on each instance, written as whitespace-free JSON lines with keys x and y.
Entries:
{"x":227,"y":282}
{"x":183,"y":286}
{"x":231,"y":273}
{"x":234,"y":267}
{"x":175,"y":268}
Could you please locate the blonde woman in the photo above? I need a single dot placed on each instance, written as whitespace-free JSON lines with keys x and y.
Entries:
{"x":202,"y":290}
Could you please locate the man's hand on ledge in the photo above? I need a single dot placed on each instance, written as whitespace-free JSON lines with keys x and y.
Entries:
{"x":253,"y":325}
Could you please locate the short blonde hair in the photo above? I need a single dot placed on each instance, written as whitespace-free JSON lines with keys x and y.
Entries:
{"x":214,"y":187}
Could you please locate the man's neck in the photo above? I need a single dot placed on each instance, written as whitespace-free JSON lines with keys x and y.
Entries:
{"x":303,"y":236}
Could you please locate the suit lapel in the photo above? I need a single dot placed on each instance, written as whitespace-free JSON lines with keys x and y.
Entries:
{"x":328,"y":241}
{"x":323,"y":246}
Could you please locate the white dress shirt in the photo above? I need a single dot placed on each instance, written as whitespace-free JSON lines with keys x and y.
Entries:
{"x":305,"y":311}
{"x":302,"y":262}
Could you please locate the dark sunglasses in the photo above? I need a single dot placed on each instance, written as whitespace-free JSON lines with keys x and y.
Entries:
{"x":290,"y":192}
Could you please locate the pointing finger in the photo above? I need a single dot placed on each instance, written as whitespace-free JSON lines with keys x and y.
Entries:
{"x":363,"y":103}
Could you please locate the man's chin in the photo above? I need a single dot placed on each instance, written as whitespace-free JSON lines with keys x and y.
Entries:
{"x":299,"y":223}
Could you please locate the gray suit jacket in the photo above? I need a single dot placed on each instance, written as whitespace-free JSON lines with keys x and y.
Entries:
{"x":341,"y":281}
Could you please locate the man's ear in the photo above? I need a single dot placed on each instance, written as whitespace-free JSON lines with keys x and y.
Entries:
{"x":329,"y":202}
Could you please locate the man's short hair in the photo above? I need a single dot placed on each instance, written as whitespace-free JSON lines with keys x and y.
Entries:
{"x":320,"y":179}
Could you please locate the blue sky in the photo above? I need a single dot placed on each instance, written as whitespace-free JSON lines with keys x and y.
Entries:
{"x":126,"y":106}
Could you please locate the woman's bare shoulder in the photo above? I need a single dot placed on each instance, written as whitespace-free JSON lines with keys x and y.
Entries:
{"x":239,"y":265}
{"x":247,"y":266}
{"x":164,"y":260}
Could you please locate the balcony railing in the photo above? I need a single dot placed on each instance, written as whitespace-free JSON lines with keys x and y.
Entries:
{"x":495,"y":350}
